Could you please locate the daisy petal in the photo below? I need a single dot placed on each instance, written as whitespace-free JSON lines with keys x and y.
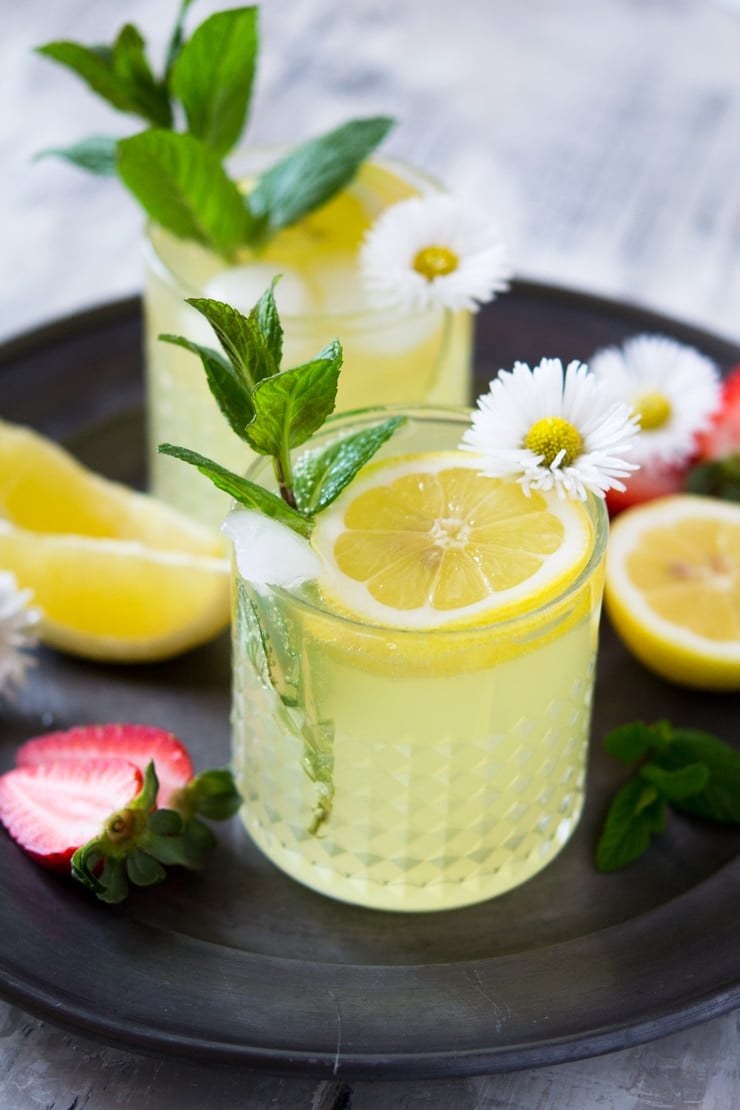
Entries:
{"x":598,"y":432}
{"x":18,"y":633}
{"x":681,"y":387}
{"x":477,"y":265}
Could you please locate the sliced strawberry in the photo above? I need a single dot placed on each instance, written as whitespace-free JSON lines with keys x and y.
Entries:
{"x":644,"y":485}
{"x":723,"y":437}
{"x":139,"y":744}
{"x":52,"y":809}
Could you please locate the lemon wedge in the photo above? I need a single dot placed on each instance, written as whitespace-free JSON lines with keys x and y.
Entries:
{"x":117,"y":575}
{"x":673,"y":588}
{"x":426,"y":541}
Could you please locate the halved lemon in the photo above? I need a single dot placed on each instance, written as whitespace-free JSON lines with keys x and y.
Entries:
{"x":673,"y":588}
{"x":117,"y":575}
{"x":426,"y":541}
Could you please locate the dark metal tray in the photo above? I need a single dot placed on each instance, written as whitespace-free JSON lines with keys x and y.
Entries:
{"x":241,"y":964}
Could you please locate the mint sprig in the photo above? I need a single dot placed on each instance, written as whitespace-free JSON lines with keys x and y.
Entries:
{"x":275,"y":411}
{"x":691,"y":771}
{"x":178,"y":176}
{"x":138,"y":843}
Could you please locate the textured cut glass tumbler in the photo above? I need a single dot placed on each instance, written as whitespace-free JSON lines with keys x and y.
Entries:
{"x":391,"y":356}
{"x":413,"y":770}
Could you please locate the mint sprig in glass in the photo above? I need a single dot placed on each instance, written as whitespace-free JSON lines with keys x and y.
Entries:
{"x":224,"y":217}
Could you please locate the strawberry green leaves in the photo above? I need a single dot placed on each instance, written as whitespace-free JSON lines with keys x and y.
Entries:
{"x":138,"y":843}
{"x":274,"y":411}
{"x":691,"y":771}
{"x":178,"y":177}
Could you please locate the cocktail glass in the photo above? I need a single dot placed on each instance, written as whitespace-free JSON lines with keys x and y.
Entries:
{"x":414,"y":769}
{"x":390,"y":356}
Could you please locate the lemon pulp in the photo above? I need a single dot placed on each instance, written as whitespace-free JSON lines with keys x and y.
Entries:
{"x":428,"y":541}
{"x":673,"y":588}
{"x":117,"y":575}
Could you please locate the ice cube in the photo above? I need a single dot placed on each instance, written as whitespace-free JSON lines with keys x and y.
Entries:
{"x":337,"y":285}
{"x":242,"y":286}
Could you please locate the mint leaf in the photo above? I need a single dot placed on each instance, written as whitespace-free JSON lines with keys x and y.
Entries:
{"x":225,"y":383}
{"x":244,"y":491}
{"x":677,"y":784}
{"x":636,"y":813}
{"x":264,"y":316}
{"x":97,"y":154}
{"x":716,"y":478}
{"x":150,"y":98}
{"x":119,"y":74}
{"x":719,"y":800}
{"x":214,"y":74}
{"x":289,"y":407}
{"x":251,"y":352}
{"x":177,"y":38}
{"x":633,"y":741}
{"x":181,"y":184}
{"x":310,"y":175}
{"x":320,"y":476}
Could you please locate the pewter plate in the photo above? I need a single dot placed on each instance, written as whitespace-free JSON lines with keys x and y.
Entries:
{"x":243,"y":966}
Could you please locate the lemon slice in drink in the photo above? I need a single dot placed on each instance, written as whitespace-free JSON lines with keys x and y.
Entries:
{"x":673,"y":588}
{"x":117,"y":575}
{"x":426,"y":541}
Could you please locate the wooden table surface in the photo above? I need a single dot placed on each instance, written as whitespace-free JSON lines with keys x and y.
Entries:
{"x":604,"y":136}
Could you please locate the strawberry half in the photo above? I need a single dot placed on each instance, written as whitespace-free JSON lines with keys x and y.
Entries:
{"x":723,"y":436}
{"x":51,"y":809}
{"x":716,"y":470}
{"x":139,"y":744}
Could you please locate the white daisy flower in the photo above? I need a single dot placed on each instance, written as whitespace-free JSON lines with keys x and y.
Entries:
{"x":269,"y":553}
{"x":429,"y":251}
{"x":553,"y":429}
{"x":672,"y":389}
{"x":18,"y":623}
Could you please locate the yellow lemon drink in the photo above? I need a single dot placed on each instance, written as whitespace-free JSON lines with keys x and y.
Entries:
{"x":390,"y":356}
{"x":410,"y":729}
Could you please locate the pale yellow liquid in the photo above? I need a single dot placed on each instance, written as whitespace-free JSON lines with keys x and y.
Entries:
{"x":457,"y":759}
{"x":389,"y":357}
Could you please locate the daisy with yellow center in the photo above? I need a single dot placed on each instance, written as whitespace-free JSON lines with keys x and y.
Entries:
{"x":553,"y":429}
{"x":672,"y":389}
{"x":433,"y":251}
{"x":18,"y":623}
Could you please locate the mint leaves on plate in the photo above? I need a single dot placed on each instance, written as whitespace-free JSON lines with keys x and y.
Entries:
{"x":178,"y":176}
{"x":691,"y":771}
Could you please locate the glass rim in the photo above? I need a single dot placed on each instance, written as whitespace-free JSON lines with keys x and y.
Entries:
{"x":347,"y":320}
{"x":451,"y":415}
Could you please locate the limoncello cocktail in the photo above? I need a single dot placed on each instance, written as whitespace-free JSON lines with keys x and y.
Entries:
{"x":391,"y":355}
{"x":410,"y":728}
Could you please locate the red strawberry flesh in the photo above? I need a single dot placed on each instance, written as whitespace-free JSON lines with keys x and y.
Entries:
{"x":51,"y":809}
{"x":139,"y":744}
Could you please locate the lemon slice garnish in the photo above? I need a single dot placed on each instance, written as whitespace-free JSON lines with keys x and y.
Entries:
{"x":427,"y":541}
